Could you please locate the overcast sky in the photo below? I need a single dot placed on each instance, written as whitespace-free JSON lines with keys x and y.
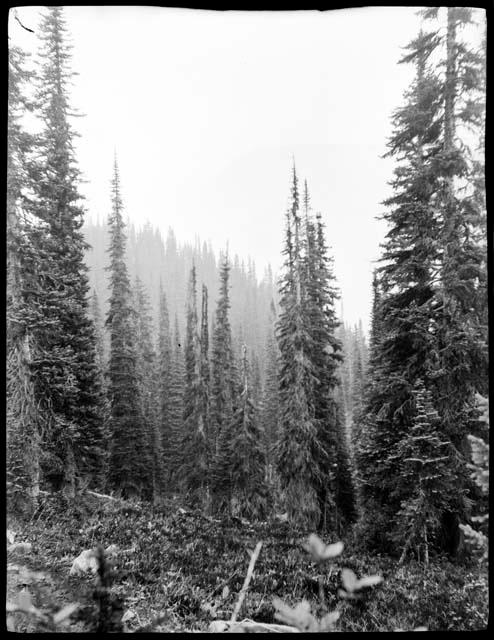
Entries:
{"x":206,"y":110}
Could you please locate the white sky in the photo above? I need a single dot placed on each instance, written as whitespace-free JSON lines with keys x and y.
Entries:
{"x":206,"y":108}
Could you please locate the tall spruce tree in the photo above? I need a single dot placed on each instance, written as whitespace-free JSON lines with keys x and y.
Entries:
{"x":23,"y":419}
{"x":298,"y":433}
{"x":461,"y":334}
{"x":194,"y":468}
{"x":66,"y":373}
{"x":223,"y":392}
{"x":97,"y":319}
{"x":326,"y":358}
{"x":175,"y":409}
{"x":130,"y":463}
{"x":270,"y":401}
{"x":425,"y":463}
{"x":345,"y":490}
{"x":243,"y":454}
{"x":410,"y":257}
{"x":204,"y":390}
{"x":147,"y":375}
{"x":429,"y":324}
{"x":165,"y":383}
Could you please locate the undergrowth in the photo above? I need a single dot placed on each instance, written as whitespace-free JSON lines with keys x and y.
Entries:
{"x":178,"y":570}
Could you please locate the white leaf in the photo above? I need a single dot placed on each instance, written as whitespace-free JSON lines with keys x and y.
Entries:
{"x":349,"y":580}
{"x":321,"y":551}
{"x":85,"y":561}
{"x":24,"y":600}
{"x":128,"y":615}
{"x":111,"y":550}
{"x":368,"y":581}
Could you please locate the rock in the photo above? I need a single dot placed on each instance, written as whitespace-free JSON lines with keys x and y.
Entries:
{"x":85,"y":561}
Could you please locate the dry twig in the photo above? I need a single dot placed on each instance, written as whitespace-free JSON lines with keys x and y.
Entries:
{"x":247,"y":580}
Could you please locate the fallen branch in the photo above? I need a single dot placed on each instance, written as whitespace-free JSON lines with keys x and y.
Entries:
{"x":249,"y":626}
{"x":247,"y":580}
{"x":103,"y":496}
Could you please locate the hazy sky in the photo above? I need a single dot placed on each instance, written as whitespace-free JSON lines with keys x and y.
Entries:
{"x":206,"y":110}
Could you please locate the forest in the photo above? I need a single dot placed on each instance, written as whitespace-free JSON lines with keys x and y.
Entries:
{"x":191,"y":447}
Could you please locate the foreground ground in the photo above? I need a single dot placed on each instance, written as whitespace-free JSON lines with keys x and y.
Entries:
{"x":187,"y":570}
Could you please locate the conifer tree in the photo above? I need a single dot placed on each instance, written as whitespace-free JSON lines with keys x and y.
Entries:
{"x":345,"y":490}
{"x":66,"y":373}
{"x":165,"y":384}
{"x":298,"y":434}
{"x":270,"y":401}
{"x":97,"y":319}
{"x":175,"y":409}
{"x":204,"y":389}
{"x":23,"y":419}
{"x":424,"y":459}
{"x":130,"y":461}
{"x":461,"y":354}
{"x":406,"y":283}
{"x":326,"y":358}
{"x":194,"y":468}
{"x":429,"y":323}
{"x":244,"y":456}
{"x":223,"y":391}
{"x":147,"y":375}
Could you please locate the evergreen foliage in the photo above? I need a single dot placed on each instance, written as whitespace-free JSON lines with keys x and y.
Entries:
{"x":65,"y":374}
{"x":270,"y":400}
{"x":165,"y":384}
{"x":431,"y":280}
{"x":298,"y":436}
{"x":175,"y":408}
{"x":130,"y":458}
{"x":23,"y":417}
{"x":244,"y":455}
{"x":147,"y":374}
{"x":194,"y":469}
{"x":223,"y":392}
{"x":426,"y":475}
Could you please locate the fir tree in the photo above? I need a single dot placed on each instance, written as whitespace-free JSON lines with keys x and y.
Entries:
{"x":165,"y":383}
{"x":147,"y":374}
{"x":298,"y":433}
{"x":175,"y":409}
{"x":223,"y":391}
{"x":424,"y":459}
{"x":326,"y":358}
{"x":429,"y":326}
{"x":97,"y":319}
{"x":270,"y":402}
{"x":129,"y":454}
{"x":410,"y":260}
{"x":204,"y":389}
{"x":461,"y":355}
{"x":194,"y":468}
{"x":66,"y":374}
{"x":23,"y":411}
{"x":244,"y":456}
{"x":345,"y":491}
